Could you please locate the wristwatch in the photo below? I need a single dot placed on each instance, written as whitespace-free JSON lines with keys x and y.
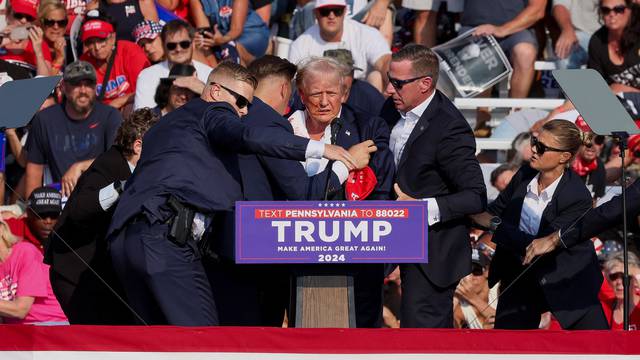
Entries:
{"x":494,"y":223}
{"x":119,"y":186}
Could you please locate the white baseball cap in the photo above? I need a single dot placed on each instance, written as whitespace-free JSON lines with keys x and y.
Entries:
{"x":323,"y":3}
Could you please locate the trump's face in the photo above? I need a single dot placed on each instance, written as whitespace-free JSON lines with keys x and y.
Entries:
{"x":322,"y":95}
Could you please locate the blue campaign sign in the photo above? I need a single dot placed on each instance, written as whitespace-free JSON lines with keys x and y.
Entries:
{"x":331,"y":232}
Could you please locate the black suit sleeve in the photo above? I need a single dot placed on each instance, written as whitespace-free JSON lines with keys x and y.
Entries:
{"x":225,"y":129}
{"x":510,"y":236}
{"x":603,"y":217}
{"x":498,"y":205}
{"x":84,"y":204}
{"x":382,"y":162}
{"x":459,"y":165}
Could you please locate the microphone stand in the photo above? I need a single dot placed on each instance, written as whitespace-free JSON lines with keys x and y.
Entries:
{"x":622,"y":138}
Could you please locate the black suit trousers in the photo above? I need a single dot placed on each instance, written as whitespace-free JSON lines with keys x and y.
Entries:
{"x":424,"y":304}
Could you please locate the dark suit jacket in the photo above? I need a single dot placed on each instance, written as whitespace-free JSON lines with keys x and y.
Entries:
{"x":603,"y":217}
{"x":192,"y":154}
{"x":570,"y":278}
{"x":439,"y":161}
{"x":83,"y":225}
{"x":268,"y":178}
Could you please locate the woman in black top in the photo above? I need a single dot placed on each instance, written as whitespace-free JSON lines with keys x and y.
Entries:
{"x":614,"y":48}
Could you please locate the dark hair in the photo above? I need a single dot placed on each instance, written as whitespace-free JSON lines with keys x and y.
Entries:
{"x":495,"y":174}
{"x":631,"y":32}
{"x":175,"y":26}
{"x":162,"y":94}
{"x":236,"y":72}
{"x":134,"y":128}
{"x":270,"y":65}
{"x":424,"y":61}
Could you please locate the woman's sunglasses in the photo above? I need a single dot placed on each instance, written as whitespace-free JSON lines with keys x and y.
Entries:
{"x":185,"y":44}
{"x":542,"y":148}
{"x":51,"y":23}
{"x":615,"y":276}
{"x":241,"y":101}
{"x":326,"y":11}
{"x":618,"y":9}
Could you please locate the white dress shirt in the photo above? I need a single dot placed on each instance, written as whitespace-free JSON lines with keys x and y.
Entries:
{"x":107,"y":196}
{"x":534,"y":205}
{"x":314,"y":165}
{"x":399,"y":136}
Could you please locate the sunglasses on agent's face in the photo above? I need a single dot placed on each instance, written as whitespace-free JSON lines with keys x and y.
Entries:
{"x":398,"y":84}
{"x":185,"y":44}
{"x":326,"y":11}
{"x":542,"y":148}
{"x":618,"y":9}
{"x":20,"y":16}
{"x":51,"y":23}
{"x":241,"y":101}
{"x":597,"y":140}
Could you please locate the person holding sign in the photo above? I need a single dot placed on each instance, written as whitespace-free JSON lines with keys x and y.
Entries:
{"x":540,"y":200}
{"x":187,"y":181}
{"x":434,"y":152}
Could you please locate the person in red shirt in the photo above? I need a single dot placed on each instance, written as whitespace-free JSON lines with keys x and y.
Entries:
{"x":613,"y":307}
{"x":98,"y":37}
{"x":43,"y":210}
{"x":22,"y":41}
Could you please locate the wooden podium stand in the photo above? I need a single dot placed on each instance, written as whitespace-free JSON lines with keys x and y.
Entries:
{"x":324,"y":301}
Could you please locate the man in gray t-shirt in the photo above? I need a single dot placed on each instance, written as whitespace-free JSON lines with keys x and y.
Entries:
{"x":510,"y":22}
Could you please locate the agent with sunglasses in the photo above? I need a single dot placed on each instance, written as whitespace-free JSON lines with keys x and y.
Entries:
{"x":22,"y":41}
{"x":186,"y":181}
{"x":177,"y":39}
{"x":370,"y":50}
{"x":614,"y":49}
{"x":541,"y":199}
{"x":587,"y":164}
{"x":52,"y":15}
{"x":117,"y":63}
{"x":434,"y":152}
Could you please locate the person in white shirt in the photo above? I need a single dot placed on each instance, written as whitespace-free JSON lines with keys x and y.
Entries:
{"x":578,"y":20}
{"x":434,"y":152}
{"x":371,"y":52}
{"x":177,"y":39}
{"x":541,"y":199}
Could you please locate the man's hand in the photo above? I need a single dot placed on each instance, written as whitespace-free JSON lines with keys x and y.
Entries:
{"x":70,"y":179}
{"x":401,"y":195}
{"x":541,"y":246}
{"x":565,"y":43}
{"x":376,"y":15}
{"x":488,"y":29}
{"x":190,"y":82}
{"x":361,"y":153}
{"x":338,"y":153}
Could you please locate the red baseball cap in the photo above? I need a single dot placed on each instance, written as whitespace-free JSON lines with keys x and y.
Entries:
{"x":360,"y":184}
{"x":582,"y":125}
{"x":28,"y":7}
{"x":96,"y":28}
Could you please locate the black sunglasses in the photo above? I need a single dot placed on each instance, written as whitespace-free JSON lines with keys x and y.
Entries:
{"x":618,"y":9}
{"x":241,"y":101}
{"x":51,"y":23}
{"x":398,"y":84}
{"x":597,"y":140}
{"x":326,"y":11}
{"x":616,"y":276}
{"x":20,"y":16}
{"x":542,"y":148}
{"x":185,"y":44}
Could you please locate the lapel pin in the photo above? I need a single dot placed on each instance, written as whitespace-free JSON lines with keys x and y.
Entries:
{"x":348,"y":132}
{"x":421,"y":128}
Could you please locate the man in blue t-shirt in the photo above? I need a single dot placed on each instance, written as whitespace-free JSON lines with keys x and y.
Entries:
{"x":67,"y":137}
{"x":510,"y":22}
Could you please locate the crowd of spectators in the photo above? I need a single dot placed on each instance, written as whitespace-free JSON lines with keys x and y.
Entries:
{"x":118,"y":57}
